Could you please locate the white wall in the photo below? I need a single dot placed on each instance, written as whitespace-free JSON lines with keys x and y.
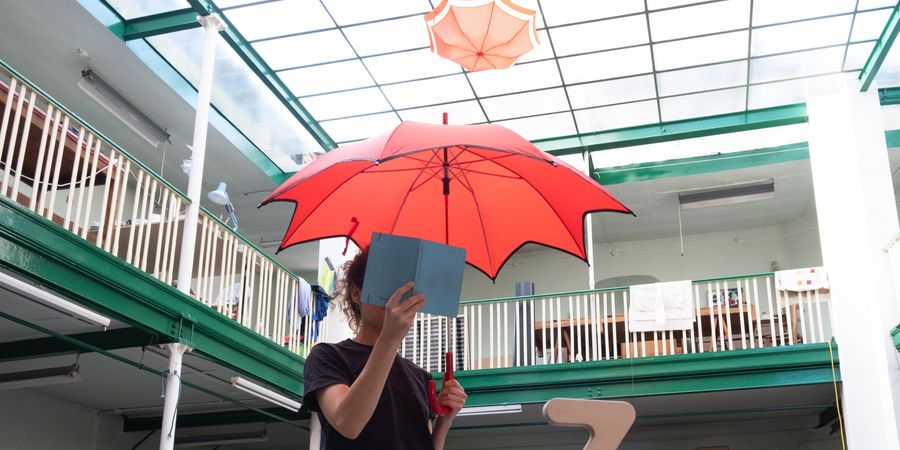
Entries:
{"x":725,"y":253}
{"x":31,"y":420}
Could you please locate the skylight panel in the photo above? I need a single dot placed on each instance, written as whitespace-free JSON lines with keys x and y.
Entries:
{"x":305,"y":49}
{"x":857,"y":54}
{"x":360,"y":127}
{"x":700,"y":19}
{"x":428,"y":92}
{"x":541,"y":51}
{"x":889,"y":74}
{"x":348,"y":12}
{"x":562,"y":12}
{"x":869,"y":4}
{"x":802,"y":64}
{"x":604,"y":35}
{"x":232,"y":3}
{"x":279,"y":18}
{"x":653,"y":5}
{"x":350,"y":103}
{"x":618,"y":116}
{"x":541,"y":127}
{"x":467,"y":112}
{"x":131,"y":9}
{"x":703,"y":104}
{"x":605,"y":65}
{"x":388,"y":36}
{"x":326,"y":78}
{"x":703,"y":50}
{"x":792,"y":91}
{"x":613,"y":91}
{"x":869,"y":25}
{"x":411,"y":65}
{"x":767,"y":12}
{"x":529,"y":103}
{"x":520,"y":77}
{"x":801,"y":35}
{"x":702,"y":78}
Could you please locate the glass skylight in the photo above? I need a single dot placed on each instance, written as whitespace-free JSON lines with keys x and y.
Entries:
{"x":359,"y":67}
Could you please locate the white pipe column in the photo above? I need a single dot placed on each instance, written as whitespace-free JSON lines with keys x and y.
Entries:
{"x":173,"y":392}
{"x":857,"y":217}
{"x":212,"y":24}
{"x":589,"y":229}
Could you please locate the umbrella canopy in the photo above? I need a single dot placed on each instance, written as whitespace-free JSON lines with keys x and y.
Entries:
{"x":480,"y":187}
{"x":481,"y":34}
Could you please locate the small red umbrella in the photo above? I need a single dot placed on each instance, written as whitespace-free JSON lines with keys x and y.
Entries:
{"x":480,"y":187}
{"x":481,"y":34}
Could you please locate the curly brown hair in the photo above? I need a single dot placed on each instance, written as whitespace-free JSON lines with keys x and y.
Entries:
{"x":353,"y":273}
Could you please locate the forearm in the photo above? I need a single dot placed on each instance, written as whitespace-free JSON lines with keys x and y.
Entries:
{"x":357,"y":406}
{"x":439,"y":433}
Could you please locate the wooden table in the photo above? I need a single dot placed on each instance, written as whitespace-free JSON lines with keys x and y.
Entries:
{"x":710,"y":321}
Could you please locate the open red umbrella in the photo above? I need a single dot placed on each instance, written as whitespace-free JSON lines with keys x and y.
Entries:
{"x":480,"y":187}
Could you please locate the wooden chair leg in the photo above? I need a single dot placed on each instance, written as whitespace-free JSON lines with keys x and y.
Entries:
{"x":607,"y":421}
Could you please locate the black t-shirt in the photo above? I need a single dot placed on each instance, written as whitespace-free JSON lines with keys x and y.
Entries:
{"x":400,"y":420}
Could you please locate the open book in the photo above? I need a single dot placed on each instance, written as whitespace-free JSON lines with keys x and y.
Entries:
{"x":436,"y":269}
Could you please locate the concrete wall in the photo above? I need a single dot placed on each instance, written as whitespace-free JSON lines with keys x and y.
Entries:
{"x":744,"y":251}
{"x":30,"y":420}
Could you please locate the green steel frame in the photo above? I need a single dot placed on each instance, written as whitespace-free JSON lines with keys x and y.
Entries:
{"x":881,"y":49}
{"x":106,"y":340}
{"x":41,"y":250}
{"x":163,"y":23}
{"x":217,"y":419}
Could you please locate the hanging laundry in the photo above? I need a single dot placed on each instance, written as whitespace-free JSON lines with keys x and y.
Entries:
{"x":326,"y":278}
{"x":299,"y":308}
{"x":797,"y":280}
{"x":320,"y":308}
{"x":661,"y":306}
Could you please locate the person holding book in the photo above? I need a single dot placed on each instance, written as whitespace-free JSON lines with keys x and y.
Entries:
{"x":368,"y":396}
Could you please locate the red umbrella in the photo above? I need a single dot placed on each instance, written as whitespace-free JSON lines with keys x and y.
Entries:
{"x":480,"y":187}
{"x":481,"y":34}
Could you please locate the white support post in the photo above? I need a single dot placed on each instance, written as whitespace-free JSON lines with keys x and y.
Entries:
{"x":173,"y":392}
{"x":589,"y":229}
{"x":212,"y":24}
{"x":857,"y":217}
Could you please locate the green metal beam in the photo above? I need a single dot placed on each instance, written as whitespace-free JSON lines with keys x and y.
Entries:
{"x":701,"y":164}
{"x":672,"y":131}
{"x":215,"y":419}
{"x":881,"y":49}
{"x":889,"y":96}
{"x":675,"y":374}
{"x":50,"y":346}
{"x":163,"y":23}
{"x":265,"y":73}
{"x":44,"y":252}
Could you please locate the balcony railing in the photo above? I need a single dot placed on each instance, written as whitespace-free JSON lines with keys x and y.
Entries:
{"x":730,"y":314}
{"x":58,"y":166}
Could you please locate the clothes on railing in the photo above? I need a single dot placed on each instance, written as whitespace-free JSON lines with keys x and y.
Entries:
{"x":798,"y":280}
{"x":320,"y":308}
{"x":300,"y":307}
{"x":327,"y":277}
{"x":661,"y":306}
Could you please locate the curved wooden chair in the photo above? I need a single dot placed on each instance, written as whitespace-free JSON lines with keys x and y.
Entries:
{"x":607,"y":421}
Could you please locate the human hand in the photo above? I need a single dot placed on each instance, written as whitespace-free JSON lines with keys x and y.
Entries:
{"x":399,"y":314}
{"x":452,"y":396}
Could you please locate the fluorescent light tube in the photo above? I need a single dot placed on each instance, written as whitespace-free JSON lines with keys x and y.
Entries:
{"x":490,"y":410}
{"x":39,"y":377}
{"x":229,"y":438}
{"x":729,"y":195}
{"x":119,"y":106}
{"x":52,"y":301}
{"x":265,"y":394}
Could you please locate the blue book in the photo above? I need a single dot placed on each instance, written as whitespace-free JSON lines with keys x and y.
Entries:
{"x":436,"y":269}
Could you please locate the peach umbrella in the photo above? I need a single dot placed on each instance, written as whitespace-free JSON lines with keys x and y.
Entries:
{"x":481,"y":34}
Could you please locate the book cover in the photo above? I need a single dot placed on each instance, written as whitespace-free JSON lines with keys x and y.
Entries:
{"x":436,"y":270}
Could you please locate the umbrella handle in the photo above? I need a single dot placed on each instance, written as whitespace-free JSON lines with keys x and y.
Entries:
{"x":432,"y":387}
